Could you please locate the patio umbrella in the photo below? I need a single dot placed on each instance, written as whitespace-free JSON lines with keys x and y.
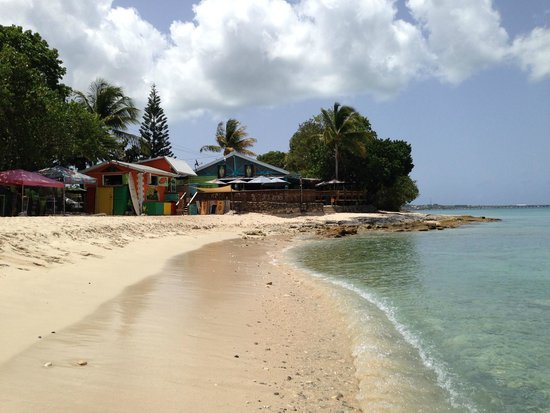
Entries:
{"x":66,"y":175}
{"x":331,"y":182}
{"x":278,"y":181}
{"x":260,"y":180}
{"x":24,"y":178}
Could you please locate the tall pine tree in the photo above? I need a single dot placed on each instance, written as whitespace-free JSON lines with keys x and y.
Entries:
{"x":154,"y":129}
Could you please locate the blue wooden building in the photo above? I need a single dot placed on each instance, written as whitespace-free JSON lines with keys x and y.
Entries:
{"x":235,"y":166}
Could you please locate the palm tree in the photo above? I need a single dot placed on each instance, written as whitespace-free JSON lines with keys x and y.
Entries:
{"x":343,"y":129}
{"x":116,"y":110}
{"x":231,"y":137}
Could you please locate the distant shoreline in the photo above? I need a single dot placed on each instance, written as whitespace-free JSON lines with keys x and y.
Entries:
{"x":444,"y":207}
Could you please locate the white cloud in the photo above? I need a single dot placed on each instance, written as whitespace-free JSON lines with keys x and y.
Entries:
{"x":533,"y":53}
{"x":465,"y":35}
{"x":93,"y":39}
{"x":248,"y":52}
{"x":269,"y":51}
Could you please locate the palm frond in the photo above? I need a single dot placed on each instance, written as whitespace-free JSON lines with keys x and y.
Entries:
{"x":232,"y":137}
{"x":247,"y":152}
{"x":127,"y":138}
{"x":108,"y":101}
{"x":211,"y":148}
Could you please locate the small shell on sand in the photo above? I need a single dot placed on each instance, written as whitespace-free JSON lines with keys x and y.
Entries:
{"x":82,"y":362}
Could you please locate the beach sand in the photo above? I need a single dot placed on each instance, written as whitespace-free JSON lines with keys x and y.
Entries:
{"x":174,"y":314}
{"x":169,"y":314}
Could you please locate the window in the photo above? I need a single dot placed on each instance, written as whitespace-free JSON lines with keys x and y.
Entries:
{"x":153,"y":180}
{"x":113,"y":180}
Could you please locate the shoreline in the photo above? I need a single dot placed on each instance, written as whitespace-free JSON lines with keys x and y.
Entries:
{"x":55,"y":272}
{"x":242,"y":346}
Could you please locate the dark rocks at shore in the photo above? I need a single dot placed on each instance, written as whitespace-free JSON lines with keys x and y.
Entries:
{"x":337,"y":231}
{"x":394,"y":222}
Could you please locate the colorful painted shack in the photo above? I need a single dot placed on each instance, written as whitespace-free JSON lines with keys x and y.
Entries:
{"x":176,"y":166}
{"x":124,"y":188}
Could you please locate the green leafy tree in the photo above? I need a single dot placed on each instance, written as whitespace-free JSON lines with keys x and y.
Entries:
{"x":275,"y":158}
{"x":388,"y":159}
{"x":94,"y":143}
{"x":231,"y":137}
{"x":313,"y":147}
{"x":343,"y":130}
{"x":382,"y":172}
{"x":40,"y":56}
{"x":154,"y":129}
{"x":379,"y":166}
{"x":116,"y":110}
{"x":38,"y":128}
{"x":393,"y":197}
{"x":308,"y":155}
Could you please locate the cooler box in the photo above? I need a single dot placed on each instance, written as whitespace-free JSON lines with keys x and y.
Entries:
{"x":154,"y":208}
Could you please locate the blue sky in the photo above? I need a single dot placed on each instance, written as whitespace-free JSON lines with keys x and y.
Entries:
{"x":466,"y":82}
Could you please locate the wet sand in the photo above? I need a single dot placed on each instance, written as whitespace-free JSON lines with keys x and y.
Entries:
{"x":229,"y":327}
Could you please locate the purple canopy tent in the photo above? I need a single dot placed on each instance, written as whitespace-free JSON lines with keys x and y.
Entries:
{"x":24,"y":178}
{"x":67,"y":176}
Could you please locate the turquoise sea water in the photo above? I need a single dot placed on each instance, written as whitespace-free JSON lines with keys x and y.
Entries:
{"x":455,"y":320}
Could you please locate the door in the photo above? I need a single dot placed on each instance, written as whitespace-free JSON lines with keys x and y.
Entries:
{"x":104,"y":200}
{"x":121,"y":198}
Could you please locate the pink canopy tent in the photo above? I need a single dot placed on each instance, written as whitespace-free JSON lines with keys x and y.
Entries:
{"x":25,"y":178}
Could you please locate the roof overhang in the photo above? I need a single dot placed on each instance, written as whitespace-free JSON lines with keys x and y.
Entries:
{"x":129,"y":167}
{"x":246,"y":158}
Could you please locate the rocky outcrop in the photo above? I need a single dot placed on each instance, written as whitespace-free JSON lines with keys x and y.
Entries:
{"x":394,"y":222}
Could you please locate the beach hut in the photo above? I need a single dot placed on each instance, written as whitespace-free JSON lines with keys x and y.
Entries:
{"x":169,"y":164}
{"x":124,"y":188}
{"x":178,"y":189}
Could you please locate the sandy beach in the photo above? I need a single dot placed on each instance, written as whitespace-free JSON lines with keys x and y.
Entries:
{"x":173,"y":314}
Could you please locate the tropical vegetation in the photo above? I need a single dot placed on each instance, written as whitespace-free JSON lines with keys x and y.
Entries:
{"x":39,"y":126}
{"x":339,"y":143}
{"x":343,"y":129}
{"x":275,"y":158}
{"x":231,"y":137}
{"x":114,"y":109}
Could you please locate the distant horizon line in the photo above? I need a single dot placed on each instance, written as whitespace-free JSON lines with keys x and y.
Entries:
{"x":474,"y":206}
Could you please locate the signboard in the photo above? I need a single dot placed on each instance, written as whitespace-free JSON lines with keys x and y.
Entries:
{"x":163,"y":181}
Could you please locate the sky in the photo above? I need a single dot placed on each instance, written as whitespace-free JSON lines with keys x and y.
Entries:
{"x":465,"y":82}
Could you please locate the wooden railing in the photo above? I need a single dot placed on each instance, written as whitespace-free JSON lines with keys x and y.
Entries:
{"x":290,"y":196}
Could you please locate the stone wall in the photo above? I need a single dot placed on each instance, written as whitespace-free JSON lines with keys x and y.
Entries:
{"x":277,"y":208}
{"x":354,"y":208}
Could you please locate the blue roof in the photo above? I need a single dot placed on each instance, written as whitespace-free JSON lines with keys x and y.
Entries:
{"x":246,"y":158}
